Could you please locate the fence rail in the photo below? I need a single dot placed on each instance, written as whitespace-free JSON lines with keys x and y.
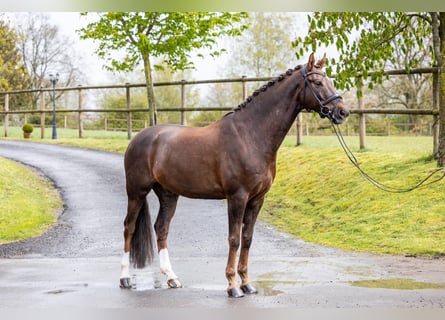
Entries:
{"x":80,"y":110}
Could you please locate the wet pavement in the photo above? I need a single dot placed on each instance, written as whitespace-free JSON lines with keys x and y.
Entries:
{"x":77,"y":262}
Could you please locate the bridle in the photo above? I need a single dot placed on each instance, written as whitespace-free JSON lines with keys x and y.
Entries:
{"x":324,"y":112}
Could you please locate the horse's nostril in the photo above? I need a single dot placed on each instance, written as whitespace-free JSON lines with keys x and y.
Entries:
{"x":344,"y":113}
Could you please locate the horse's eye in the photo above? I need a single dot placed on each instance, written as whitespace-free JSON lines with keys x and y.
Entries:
{"x":318,"y":83}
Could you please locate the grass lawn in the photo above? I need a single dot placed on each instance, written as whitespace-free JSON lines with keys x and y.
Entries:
{"x":28,"y":203}
{"x":320,"y":197}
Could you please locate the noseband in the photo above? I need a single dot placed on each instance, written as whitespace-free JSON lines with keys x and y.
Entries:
{"x":324,"y":111}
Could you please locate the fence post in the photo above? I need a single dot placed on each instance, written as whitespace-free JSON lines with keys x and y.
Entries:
{"x":127,"y":101}
{"x":243,"y":84}
{"x":388,"y":127}
{"x":436,"y":91}
{"x":300,"y":129}
{"x":80,"y":112}
{"x":42,"y":114}
{"x":6,"y":114}
{"x":436,"y":135}
{"x":362,"y":119}
{"x":183,"y":102}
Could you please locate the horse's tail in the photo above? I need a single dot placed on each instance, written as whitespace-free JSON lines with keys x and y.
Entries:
{"x":141,"y":251}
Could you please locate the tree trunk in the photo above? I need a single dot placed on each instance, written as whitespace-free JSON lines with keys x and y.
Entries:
{"x":150,"y":91}
{"x":441,"y":158}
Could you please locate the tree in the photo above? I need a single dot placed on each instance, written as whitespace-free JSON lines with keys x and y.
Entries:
{"x":170,"y":96}
{"x":264,"y":49}
{"x":45,"y":51}
{"x":172,"y":36}
{"x":411,"y":91}
{"x":166,"y":96}
{"x":224,"y":95}
{"x":373,"y":34}
{"x":13,"y":74}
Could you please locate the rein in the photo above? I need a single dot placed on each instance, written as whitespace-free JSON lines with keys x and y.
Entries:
{"x":381,"y":186}
{"x":325,"y":112}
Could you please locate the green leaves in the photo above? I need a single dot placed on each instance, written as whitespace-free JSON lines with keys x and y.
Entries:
{"x":13,"y":74}
{"x":365,"y":41}
{"x":171,"y":36}
{"x":127,"y":38}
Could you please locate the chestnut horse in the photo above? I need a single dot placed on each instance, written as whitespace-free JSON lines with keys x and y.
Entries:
{"x":233,"y":158}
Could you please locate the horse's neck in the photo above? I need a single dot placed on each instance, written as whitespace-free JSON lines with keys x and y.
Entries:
{"x":269,"y":116}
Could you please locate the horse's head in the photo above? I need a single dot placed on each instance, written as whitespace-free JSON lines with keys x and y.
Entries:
{"x":319,"y":92}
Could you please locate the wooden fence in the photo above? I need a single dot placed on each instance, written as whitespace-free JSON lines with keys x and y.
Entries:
{"x":80,"y":110}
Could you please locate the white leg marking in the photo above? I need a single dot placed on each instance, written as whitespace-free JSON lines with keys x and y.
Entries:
{"x":125,"y":265}
{"x":166,"y":267}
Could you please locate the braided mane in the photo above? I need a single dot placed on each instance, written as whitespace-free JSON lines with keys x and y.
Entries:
{"x":272,"y":82}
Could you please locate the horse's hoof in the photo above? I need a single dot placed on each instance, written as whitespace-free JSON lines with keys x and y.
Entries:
{"x":174,"y":283}
{"x":125,"y":283}
{"x":249,"y":289}
{"x":235,"y":293}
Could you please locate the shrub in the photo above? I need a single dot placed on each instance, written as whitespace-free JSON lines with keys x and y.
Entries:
{"x":28,"y":128}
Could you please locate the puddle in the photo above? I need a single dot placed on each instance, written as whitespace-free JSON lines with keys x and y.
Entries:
{"x":267,"y":283}
{"x":267,"y":288}
{"x":59,"y":291}
{"x":397,"y":283}
{"x":361,"y":271}
{"x":145,"y":279}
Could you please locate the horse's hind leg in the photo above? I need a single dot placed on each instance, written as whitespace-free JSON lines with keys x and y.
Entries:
{"x":167,"y":208}
{"x":134,"y":207}
{"x":138,"y":245}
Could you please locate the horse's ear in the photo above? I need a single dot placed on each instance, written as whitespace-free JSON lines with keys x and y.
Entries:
{"x":310,"y":63}
{"x":322,"y":62}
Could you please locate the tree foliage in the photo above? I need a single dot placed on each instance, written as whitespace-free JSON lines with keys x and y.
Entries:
{"x":13,"y":73}
{"x":45,"y":51}
{"x":170,"y":36}
{"x":365,"y":41}
{"x":265,"y":48}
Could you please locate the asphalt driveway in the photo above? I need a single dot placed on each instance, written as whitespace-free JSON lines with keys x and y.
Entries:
{"x":77,"y":262}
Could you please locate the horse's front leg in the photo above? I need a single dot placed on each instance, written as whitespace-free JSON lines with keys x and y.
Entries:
{"x":252,"y":209}
{"x":236,"y":207}
{"x":167,"y":207}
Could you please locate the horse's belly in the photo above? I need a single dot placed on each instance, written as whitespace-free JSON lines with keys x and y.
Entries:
{"x":191,"y":181}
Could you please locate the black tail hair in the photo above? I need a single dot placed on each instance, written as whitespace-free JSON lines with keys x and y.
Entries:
{"x":141,"y":251}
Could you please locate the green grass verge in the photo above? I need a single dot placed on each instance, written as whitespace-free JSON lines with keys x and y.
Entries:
{"x":320,"y":197}
{"x":28,"y":203}
{"x":114,"y":141}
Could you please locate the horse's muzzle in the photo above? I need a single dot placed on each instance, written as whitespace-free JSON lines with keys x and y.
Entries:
{"x":339,"y":114}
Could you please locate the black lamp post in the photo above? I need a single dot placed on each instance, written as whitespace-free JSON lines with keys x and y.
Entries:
{"x":54,"y":79}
